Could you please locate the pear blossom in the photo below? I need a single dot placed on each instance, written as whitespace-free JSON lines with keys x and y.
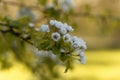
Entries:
{"x":55,"y":36}
{"x":81,"y":54}
{"x":58,"y":25}
{"x":65,"y":25}
{"x":66,"y":38}
{"x":83,"y":60}
{"x":53,"y":22}
{"x":45,"y":28}
{"x":63,"y":30}
{"x":81,"y":44}
{"x":75,"y":38}
{"x":75,"y":45}
{"x":69,"y":29}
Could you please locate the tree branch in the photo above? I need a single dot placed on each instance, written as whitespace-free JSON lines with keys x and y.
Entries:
{"x":17,"y":34}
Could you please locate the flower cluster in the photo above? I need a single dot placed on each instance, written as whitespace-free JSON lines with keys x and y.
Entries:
{"x":63,"y":30}
{"x":61,"y":33}
{"x":58,"y":40}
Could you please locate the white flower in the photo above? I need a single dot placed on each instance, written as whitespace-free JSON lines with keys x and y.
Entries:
{"x":81,"y":54}
{"x":70,"y":29}
{"x":75,"y":45}
{"x":65,"y":25}
{"x":58,"y":25}
{"x":31,"y":25}
{"x":75,"y":38}
{"x":83,"y":46}
{"x":45,"y":28}
{"x":66,"y":38}
{"x":53,"y":22}
{"x":55,"y":36}
{"x":63,"y":30}
{"x":83,"y":60}
{"x":81,"y":43}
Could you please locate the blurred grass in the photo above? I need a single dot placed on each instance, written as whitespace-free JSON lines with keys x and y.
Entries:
{"x":101,"y":65}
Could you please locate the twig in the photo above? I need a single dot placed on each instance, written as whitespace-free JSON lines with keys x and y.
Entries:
{"x":17,"y":34}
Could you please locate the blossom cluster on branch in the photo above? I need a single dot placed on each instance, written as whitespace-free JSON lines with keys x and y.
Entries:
{"x":56,"y":38}
{"x":53,"y":38}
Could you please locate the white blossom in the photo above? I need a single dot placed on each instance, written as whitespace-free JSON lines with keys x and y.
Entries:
{"x":81,"y":44}
{"x":81,"y":54}
{"x":63,"y":30}
{"x":53,"y":22}
{"x":70,"y":29}
{"x":55,"y":36}
{"x":75,"y":45}
{"x":65,"y":25}
{"x":58,"y":25}
{"x":83,"y":60}
{"x":45,"y":28}
{"x":31,"y":25}
{"x":75,"y":38}
{"x":66,"y":38}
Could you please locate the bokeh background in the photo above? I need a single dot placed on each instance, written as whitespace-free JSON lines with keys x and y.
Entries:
{"x":98,"y":23}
